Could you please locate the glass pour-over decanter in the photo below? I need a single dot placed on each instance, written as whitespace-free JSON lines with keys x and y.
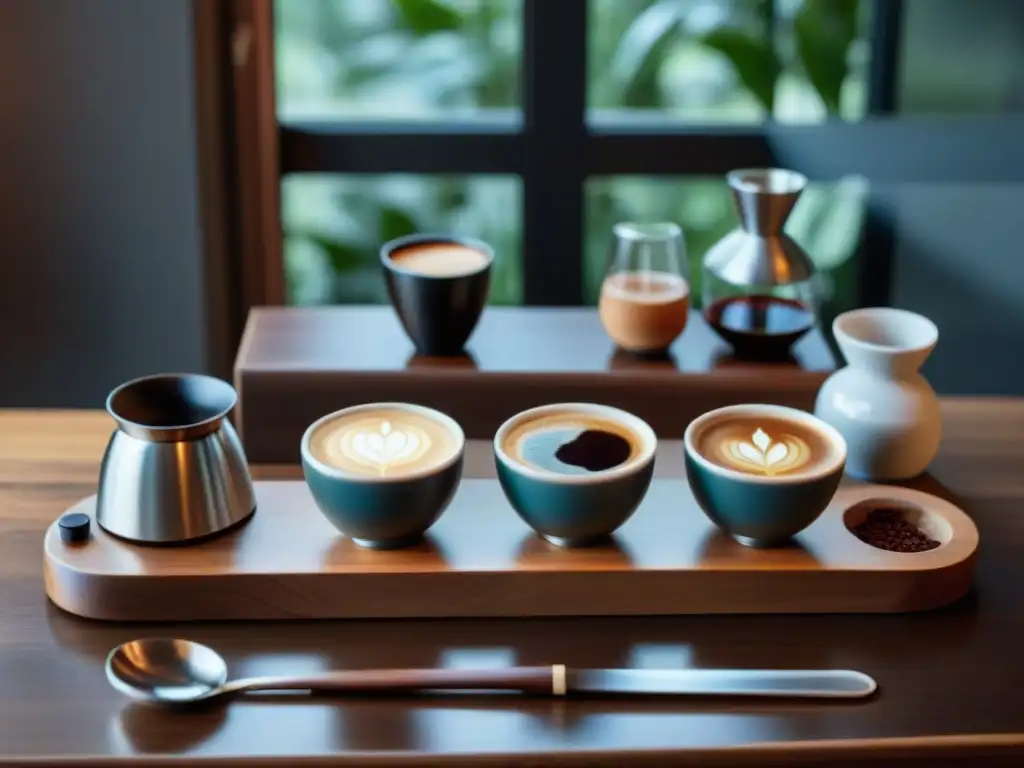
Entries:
{"x":758,"y":283}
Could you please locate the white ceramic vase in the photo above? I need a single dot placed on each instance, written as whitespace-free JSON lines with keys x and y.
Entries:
{"x":886,"y":410}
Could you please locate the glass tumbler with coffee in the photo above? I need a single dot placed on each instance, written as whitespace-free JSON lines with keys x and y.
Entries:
{"x":438,"y":286}
{"x":757,"y":289}
{"x":645,"y":294}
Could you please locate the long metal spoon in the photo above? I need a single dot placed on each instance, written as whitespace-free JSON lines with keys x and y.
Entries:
{"x":176,"y":672}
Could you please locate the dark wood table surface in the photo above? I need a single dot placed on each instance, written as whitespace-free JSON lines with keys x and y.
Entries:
{"x":952,"y":681}
{"x":507,"y":340}
{"x":296,"y":364}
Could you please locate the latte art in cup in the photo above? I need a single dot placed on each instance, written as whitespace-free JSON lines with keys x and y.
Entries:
{"x":764,"y":446}
{"x":762,"y":473}
{"x":384,"y":443}
{"x":378,"y":446}
{"x":383,"y":473}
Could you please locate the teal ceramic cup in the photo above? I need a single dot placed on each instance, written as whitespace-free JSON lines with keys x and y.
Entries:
{"x":763,"y":486}
{"x":570,"y":504}
{"x":383,"y":473}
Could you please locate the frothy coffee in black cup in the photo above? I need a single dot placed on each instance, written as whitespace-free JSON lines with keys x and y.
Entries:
{"x":438,"y":287}
{"x":440,"y":259}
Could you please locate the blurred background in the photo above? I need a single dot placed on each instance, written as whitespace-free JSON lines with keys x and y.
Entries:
{"x":103,"y":274}
{"x":683,"y":61}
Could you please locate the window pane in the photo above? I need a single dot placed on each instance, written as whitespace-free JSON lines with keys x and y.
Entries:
{"x":397,"y":58}
{"x":711,"y":60}
{"x":334,"y":226}
{"x":961,"y":58}
{"x":827,"y":221}
{"x":729,"y":61}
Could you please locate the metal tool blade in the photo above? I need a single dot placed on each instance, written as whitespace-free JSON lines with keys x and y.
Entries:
{"x":807,"y":683}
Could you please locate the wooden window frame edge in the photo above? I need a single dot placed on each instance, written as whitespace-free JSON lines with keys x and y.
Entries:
{"x":237,"y":157}
{"x":250,"y":32}
{"x":212,"y":132}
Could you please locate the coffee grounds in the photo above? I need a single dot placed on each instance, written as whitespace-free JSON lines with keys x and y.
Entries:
{"x":594,"y":450}
{"x":886,"y":529}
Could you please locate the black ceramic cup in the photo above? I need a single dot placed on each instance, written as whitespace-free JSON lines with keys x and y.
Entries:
{"x":438,"y":286}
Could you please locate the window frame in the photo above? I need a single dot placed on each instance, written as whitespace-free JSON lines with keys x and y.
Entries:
{"x":554,"y":149}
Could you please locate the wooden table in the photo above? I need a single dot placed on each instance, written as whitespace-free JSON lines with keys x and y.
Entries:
{"x":952,"y":681}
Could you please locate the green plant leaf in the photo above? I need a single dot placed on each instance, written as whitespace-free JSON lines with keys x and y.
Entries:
{"x":642,"y":50}
{"x":764,"y":12}
{"x":344,"y":257}
{"x":425,"y":17}
{"x":756,"y":64}
{"x":394,"y":222}
{"x":451,"y":196}
{"x":824,"y":31}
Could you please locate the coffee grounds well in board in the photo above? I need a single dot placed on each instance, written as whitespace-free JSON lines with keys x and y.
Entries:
{"x":887,"y":529}
{"x":594,"y":450}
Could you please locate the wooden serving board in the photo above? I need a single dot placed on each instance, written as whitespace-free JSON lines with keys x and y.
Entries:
{"x":480,"y":559}
{"x":296,"y":364}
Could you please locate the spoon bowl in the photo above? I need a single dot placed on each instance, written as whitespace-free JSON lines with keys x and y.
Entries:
{"x":166,"y":670}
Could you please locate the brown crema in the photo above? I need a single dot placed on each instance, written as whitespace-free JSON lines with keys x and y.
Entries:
{"x":767,"y":446}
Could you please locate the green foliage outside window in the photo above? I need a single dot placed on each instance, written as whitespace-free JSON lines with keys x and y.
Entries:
{"x":704,"y":61}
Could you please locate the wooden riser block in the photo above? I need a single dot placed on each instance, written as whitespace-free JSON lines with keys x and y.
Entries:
{"x":296,"y":364}
{"x":480,"y":559}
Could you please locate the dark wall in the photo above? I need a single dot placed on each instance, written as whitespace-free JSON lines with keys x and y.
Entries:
{"x":100,"y":270}
{"x":958,"y":256}
{"x":959,"y":262}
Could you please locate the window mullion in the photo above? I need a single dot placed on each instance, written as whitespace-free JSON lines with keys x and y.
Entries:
{"x":442,"y":147}
{"x":554,"y":136}
{"x":876,"y":265}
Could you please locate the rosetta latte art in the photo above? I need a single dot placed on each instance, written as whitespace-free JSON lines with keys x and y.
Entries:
{"x":379,"y":445}
{"x":764,"y":454}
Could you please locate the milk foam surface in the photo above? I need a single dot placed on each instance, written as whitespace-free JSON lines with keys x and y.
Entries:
{"x":646,"y":287}
{"x":385,"y":443}
{"x":767,"y":446}
{"x":440,"y":259}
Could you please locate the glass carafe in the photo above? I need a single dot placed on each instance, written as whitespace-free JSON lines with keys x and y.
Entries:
{"x":758,"y":321}
{"x":758,"y":284}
